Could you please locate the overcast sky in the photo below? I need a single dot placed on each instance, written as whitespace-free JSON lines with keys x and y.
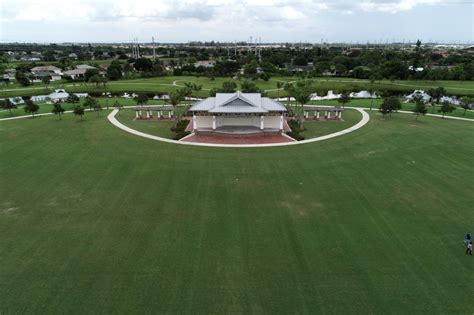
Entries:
{"x":230,"y":20}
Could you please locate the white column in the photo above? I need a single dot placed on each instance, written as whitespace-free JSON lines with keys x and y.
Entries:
{"x":281,"y":122}
{"x":169,"y":114}
{"x":340,"y":115}
{"x":262,"y":122}
{"x":136,"y":114}
{"x":329,"y":115}
{"x":194,"y":122}
{"x":147,"y":114}
{"x":306,"y":114}
{"x":140,"y":112}
{"x":158,"y":114}
{"x":317,"y":114}
{"x":213,"y":122}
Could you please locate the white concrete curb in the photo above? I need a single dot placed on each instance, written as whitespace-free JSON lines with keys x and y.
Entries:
{"x":365,"y":119}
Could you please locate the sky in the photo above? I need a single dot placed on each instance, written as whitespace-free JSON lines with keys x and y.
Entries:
{"x":312,"y":21}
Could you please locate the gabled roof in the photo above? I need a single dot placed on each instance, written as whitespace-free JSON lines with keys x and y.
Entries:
{"x":45,"y":68}
{"x":238,"y":103}
{"x":85,"y":67}
{"x":75,"y":72}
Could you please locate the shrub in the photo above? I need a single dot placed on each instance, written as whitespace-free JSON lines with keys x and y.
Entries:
{"x":180,"y":126}
{"x":180,"y":134}
{"x":296,"y":135}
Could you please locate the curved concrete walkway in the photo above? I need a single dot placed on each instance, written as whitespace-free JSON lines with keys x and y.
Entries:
{"x":365,"y":119}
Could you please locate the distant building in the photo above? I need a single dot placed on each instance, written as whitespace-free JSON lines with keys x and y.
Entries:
{"x":79,"y":72}
{"x":418,"y":69}
{"x":58,"y":95}
{"x":40,"y":72}
{"x":205,"y":63}
{"x":8,"y":76}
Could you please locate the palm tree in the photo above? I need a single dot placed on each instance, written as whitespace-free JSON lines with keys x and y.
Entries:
{"x":302,"y":94}
{"x":58,"y":109}
{"x":289,"y":88}
{"x":7,"y":104}
{"x":279,"y":86}
{"x":175,"y":98}
{"x":466,"y":103}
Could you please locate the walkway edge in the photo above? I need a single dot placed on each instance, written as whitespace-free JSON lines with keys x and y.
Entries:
{"x":365,"y":119}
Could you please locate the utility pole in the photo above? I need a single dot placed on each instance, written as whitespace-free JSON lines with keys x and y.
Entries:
{"x":153,"y":43}
{"x":138,"y":48}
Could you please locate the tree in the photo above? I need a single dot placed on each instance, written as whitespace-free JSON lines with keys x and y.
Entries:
{"x":250,"y":70}
{"x":249,"y":87}
{"x":389,"y":105}
{"x":119,"y":106}
{"x":90,"y":73}
{"x":90,"y":102}
{"x":141,"y":99}
{"x":96,"y":78}
{"x":104,"y":80}
{"x":143,"y":64}
{"x":385,"y":108}
{"x":420,"y":107}
{"x":446,"y":107}
{"x":97,"y":108}
{"x":58,"y":109}
{"x":228,"y":87}
{"x":21,"y":78}
{"x":8,"y":105}
{"x":436,"y":95}
{"x":265,"y":76}
{"x":175,"y":98}
{"x":73,"y":99}
{"x":114,"y":71}
{"x":289,"y":88}
{"x":279,"y":87}
{"x":46,"y":80}
{"x":466,"y":103}
{"x":302,"y":94}
{"x":31,"y":107}
{"x":344,"y":98}
{"x":191,"y":87}
{"x":78,"y":111}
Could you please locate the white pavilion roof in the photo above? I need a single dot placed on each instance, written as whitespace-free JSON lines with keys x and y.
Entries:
{"x":238,"y":103}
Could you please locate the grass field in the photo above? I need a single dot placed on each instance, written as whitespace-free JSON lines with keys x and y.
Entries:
{"x":95,"y":220}
{"x":320,"y":128}
{"x":169,"y":83}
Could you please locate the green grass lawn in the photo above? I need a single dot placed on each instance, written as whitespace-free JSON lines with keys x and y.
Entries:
{"x":459,"y":112}
{"x":315,"y":129}
{"x":165,"y":85}
{"x":156,"y":128}
{"x":96,"y":220}
{"x":47,"y":107}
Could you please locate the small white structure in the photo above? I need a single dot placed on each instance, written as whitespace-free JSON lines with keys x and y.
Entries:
{"x":418,"y":93}
{"x":205,"y":63}
{"x":58,"y":95}
{"x":238,"y":113}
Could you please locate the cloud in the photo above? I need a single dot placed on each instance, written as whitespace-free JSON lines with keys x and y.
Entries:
{"x":394,"y":6}
{"x":182,"y":20}
{"x":203,"y":10}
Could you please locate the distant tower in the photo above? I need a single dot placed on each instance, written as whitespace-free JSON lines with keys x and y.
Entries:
{"x":138,"y":48}
{"x":153,"y":43}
